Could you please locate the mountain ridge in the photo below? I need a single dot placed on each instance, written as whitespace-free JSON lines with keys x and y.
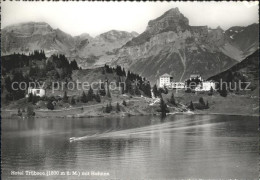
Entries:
{"x":169,"y":44}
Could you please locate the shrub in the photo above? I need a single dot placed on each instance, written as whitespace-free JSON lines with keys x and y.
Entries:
{"x":50,"y":105}
{"x":201,"y":101}
{"x":191,"y":107}
{"x":30,"y":111}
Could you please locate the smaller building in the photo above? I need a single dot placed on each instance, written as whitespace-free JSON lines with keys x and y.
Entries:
{"x":178,"y":85}
{"x":165,"y":80}
{"x":195,"y":76}
{"x":36,"y":91}
{"x":206,"y":86}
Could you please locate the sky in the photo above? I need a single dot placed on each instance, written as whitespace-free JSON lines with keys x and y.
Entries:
{"x":95,"y":18}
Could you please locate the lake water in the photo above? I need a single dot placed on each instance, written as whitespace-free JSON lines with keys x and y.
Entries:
{"x":146,"y":147}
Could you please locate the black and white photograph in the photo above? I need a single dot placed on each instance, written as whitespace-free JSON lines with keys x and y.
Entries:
{"x":130,"y":90}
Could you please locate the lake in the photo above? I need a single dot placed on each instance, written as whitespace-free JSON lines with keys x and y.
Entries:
{"x":141,"y":147}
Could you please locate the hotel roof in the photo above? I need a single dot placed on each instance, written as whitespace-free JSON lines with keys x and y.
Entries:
{"x":166,"y":75}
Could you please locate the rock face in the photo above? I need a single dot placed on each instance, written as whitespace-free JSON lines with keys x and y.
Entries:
{"x":27,"y":37}
{"x":88,"y":51}
{"x":102,"y":48}
{"x":170,"y":45}
{"x":241,"y":41}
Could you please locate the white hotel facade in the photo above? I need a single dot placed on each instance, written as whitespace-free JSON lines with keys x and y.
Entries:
{"x":166,"y":80}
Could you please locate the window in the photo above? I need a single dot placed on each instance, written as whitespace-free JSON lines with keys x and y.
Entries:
{"x":37,"y":91}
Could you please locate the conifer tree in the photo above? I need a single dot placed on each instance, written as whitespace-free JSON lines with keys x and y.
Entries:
{"x":191,"y":107}
{"x":163,"y":108}
{"x":84,"y":98}
{"x":50,"y":105}
{"x":30,"y":97}
{"x":90,"y":94}
{"x":97,"y":97}
{"x":172,"y":100}
{"x":65,"y":97}
{"x":124,"y":103}
{"x":207,"y":105}
{"x":72,"y":102}
{"x":117,"y":107}
{"x":102,"y":90}
{"x":201,"y":101}
{"x":155,"y":91}
{"x":223,"y":91}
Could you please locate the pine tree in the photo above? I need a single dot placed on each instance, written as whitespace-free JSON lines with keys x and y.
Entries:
{"x":201,"y":101}
{"x":34,"y":99}
{"x":50,"y":105}
{"x":90,"y":94}
{"x":30,"y":111}
{"x":84,"y":98}
{"x":30,"y":97}
{"x":172,"y":100}
{"x":108,"y":91}
{"x":122,"y":88}
{"x":19,"y":113}
{"x":163,"y":108}
{"x":107,"y":110}
{"x":117,"y":107}
{"x":147,"y":90}
{"x":207,"y":105}
{"x":223,"y":92}
{"x":65,"y":97}
{"x":72,"y":102}
{"x":124,"y":103}
{"x":110,"y":106}
{"x":137,"y":91}
{"x":155,"y":91}
{"x":102,"y":90}
{"x":97,"y":97}
{"x":211,"y":91}
{"x":8,"y":84}
{"x":191,"y":107}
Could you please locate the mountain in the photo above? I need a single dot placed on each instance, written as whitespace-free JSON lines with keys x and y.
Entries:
{"x":245,"y":71}
{"x":27,"y":37}
{"x":241,"y":41}
{"x":170,"y":45}
{"x":101,"y":49}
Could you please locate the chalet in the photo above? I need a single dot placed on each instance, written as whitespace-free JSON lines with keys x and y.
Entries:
{"x":165,"y":80}
{"x":206,"y":86}
{"x":178,"y":85}
{"x":36,"y":91}
{"x":195,"y":76}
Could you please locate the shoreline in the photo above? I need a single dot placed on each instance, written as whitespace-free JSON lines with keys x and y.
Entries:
{"x":113,"y":115}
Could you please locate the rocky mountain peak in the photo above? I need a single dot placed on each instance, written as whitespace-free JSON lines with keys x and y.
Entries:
{"x":172,"y":20}
{"x":114,"y":35}
{"x":29,"y":28}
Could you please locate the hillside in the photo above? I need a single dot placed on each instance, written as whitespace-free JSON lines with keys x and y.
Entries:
{"x":245,"y":71}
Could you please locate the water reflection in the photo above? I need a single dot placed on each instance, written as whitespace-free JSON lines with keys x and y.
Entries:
{"x":180,"y":146}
